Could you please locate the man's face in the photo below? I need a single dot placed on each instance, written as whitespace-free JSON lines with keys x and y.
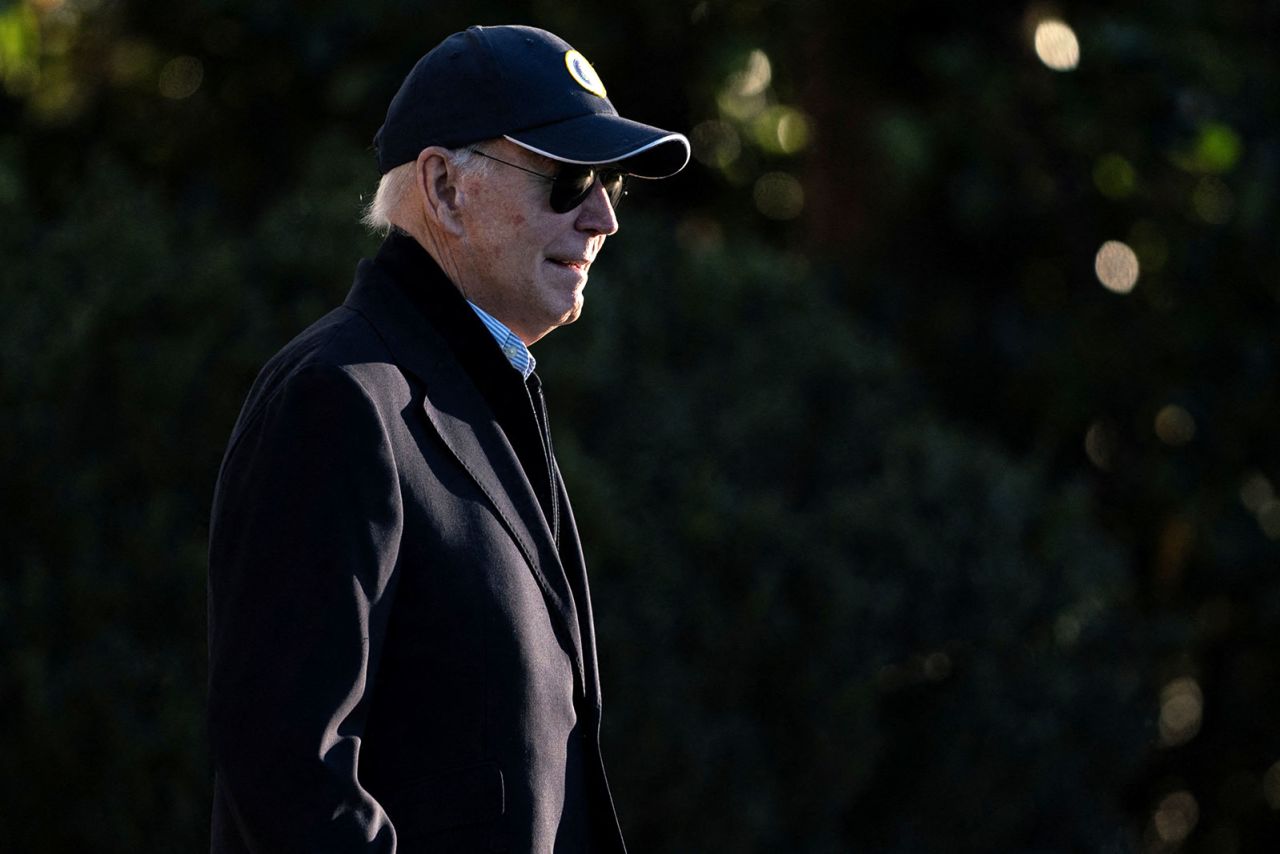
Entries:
{"x":520,"y":261}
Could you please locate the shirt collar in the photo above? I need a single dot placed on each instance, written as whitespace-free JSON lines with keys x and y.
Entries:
{"x":511,"y":345}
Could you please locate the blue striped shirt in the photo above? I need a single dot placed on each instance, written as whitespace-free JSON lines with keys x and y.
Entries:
{"x":512,"y":347}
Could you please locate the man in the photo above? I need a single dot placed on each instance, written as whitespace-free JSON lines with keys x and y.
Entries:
{"x":402,"y":656}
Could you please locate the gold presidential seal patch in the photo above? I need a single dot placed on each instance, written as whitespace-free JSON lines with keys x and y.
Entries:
{"x":582,"y":72}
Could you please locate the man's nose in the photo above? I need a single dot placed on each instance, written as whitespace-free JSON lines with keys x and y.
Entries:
{"x":595,"y":214}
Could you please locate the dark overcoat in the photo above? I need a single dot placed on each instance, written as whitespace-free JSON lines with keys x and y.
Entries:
{"x":401,"y":647}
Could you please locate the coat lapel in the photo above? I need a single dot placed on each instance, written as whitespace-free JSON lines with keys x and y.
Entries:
{"x":576,"y":569}
{"x":460,"y":416}
{"x":484,"y":452}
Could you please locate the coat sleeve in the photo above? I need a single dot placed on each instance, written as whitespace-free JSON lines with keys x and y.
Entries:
{"x":303,"y":544}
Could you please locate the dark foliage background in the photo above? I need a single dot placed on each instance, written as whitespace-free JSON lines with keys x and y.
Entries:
{"x":906,"y":533}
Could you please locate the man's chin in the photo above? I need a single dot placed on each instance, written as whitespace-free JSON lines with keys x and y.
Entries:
{"x":571,"y":315}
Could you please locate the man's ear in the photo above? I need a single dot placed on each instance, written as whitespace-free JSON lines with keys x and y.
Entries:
{"x":438,"y":187}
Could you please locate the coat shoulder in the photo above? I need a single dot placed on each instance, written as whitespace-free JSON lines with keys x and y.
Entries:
{"x":342,"y":339}
{"x":343,"y":347}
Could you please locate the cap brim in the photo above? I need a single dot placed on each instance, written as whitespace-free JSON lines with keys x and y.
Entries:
{"x":593,"y":139}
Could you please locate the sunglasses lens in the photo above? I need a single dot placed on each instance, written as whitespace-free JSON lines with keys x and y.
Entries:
{"x":614,"y":185}
{"x":572,"y":186}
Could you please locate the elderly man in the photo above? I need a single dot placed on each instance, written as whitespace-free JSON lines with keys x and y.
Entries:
{"x":402,"y":655}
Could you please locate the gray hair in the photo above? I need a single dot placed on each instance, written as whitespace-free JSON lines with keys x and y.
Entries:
{"x":394,"y":186}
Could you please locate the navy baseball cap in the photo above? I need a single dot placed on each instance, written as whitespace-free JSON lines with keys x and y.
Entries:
{"x":528,"y":86}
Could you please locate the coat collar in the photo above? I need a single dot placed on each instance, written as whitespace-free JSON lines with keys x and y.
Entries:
{"x":431,"y":332}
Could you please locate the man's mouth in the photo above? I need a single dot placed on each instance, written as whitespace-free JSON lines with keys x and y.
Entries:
{"x":579,"y":264}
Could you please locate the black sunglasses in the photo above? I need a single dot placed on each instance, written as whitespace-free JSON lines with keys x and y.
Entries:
{"x":572,"y":183}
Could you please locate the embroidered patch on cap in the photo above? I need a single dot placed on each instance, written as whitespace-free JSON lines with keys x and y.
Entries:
{"x":583,"y":73}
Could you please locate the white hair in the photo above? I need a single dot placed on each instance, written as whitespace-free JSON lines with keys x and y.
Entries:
{"x":394,"y":186}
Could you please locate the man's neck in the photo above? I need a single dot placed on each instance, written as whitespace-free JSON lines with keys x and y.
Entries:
{"x":435,"y":246}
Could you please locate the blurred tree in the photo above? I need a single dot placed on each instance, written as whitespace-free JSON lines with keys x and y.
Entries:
{"x":831,"y":622}
{"x":989,"y":567}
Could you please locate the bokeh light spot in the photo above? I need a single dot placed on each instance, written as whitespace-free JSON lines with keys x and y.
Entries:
{"x":1271,"y":786}
{"x":715,"y":143}
{"x":740,"y":108}
{"x":1100,"y":444}
{"x":745,"y":93}
{"x":20,"y":47}
{"x":1174,"y":425}
{"x":1117,"y":267}
{"x":782,"y":130}
{"x":181,"y":77}
{"x":1176,"y":817}
{"x":1181,"y":711}
{"x":1255,"y":491}
{"x":779,"y":196}
{"x":793,"y":130}
{"x":1218,"y":148}
{"x":1269,"y":519}
{"x":1056,"y":45}
{"x":756,"y":77}
{"x":1114,"y":177}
